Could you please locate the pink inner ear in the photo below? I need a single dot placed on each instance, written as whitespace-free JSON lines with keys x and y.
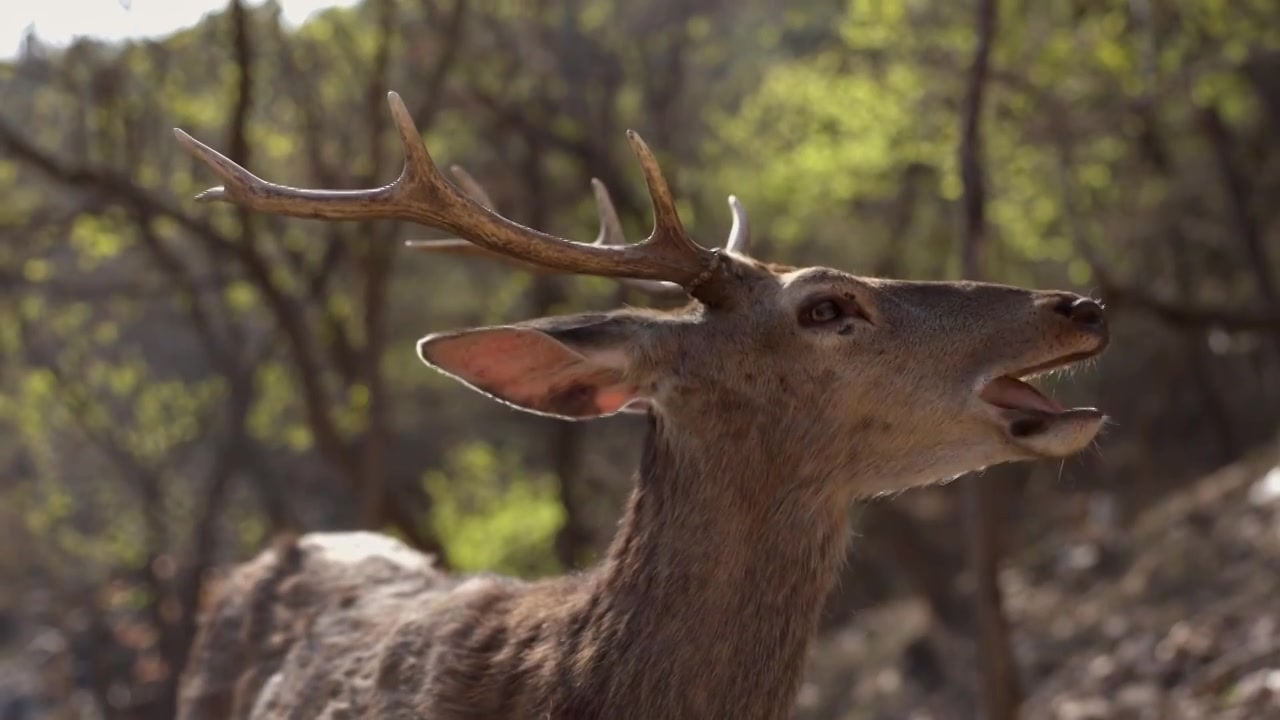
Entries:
{"x":534,"y":371}
{"x":611,"y":399}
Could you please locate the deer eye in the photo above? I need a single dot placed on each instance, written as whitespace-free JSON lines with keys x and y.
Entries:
{"x":822,"y":312}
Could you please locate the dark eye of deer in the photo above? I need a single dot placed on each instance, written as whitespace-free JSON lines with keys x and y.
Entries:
{"x":823,"y":312}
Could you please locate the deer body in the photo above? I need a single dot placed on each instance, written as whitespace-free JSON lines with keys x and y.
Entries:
{"x":694,"y":613}
{"x":773,"y":402}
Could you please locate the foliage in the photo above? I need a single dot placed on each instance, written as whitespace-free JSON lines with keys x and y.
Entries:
{"x":495,"y":515}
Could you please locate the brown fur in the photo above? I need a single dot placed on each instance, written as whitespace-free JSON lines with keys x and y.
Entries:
{"x":761,"y":430}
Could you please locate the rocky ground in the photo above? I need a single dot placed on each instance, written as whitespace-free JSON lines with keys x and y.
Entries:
{"x":1178,"y":618}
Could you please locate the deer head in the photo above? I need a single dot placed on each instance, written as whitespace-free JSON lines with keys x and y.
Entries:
{"x":874,"y":384}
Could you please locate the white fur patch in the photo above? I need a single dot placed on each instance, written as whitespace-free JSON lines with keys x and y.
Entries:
{"x":361,"y":546}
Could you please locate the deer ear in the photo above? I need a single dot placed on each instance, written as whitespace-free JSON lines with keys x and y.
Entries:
{"x":573,"y":367}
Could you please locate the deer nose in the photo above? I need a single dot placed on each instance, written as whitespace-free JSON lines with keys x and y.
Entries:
{"x":1082,"y":311}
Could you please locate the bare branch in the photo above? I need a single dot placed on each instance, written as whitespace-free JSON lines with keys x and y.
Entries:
{"x":998,"y":679}
{"x":1119,"y":294}
{"x":1237,"y":191}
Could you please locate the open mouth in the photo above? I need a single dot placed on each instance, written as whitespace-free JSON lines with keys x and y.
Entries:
{"x":1034,"y":417}
{"x":1011,"y":393}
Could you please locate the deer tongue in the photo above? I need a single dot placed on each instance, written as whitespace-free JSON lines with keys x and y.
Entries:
{"x":1014,"y":394}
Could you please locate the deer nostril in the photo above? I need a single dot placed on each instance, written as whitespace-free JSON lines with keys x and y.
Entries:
{"x":1083,"y":311}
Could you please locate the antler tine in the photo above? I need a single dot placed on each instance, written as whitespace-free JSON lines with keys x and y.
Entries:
{"x":472,"y":187}
{"x":740,"y":232}
{"x":252,"y":192}
{"x":739,"y":240}
{"x":669,"y":235}
{"x":610,"y":226}
{"x":611,"y":234}
{"x":422,"y":194}
{"x":458,"y":246}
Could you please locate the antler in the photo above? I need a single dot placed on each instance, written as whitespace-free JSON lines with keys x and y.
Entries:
{"x":740,"y":232}
{"x":610,"y":233}
{"x":422,"y":194}
{"x":472,"y":187}
{"x":458,"y":246}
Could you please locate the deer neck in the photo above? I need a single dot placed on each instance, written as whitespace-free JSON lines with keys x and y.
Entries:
{"x":713,"y":587}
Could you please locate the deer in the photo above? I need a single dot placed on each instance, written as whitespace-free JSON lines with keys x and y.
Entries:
{"x":775,"y":398}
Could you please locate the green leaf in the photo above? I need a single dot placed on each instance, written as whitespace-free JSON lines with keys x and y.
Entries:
{"x":241,"y":296}
{"x":37,"y":270}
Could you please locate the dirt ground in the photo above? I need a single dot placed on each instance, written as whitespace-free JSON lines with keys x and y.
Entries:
{"x":1178,"y":618}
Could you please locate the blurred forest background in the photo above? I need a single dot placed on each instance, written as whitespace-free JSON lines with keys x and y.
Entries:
{"x":179,"y":382}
